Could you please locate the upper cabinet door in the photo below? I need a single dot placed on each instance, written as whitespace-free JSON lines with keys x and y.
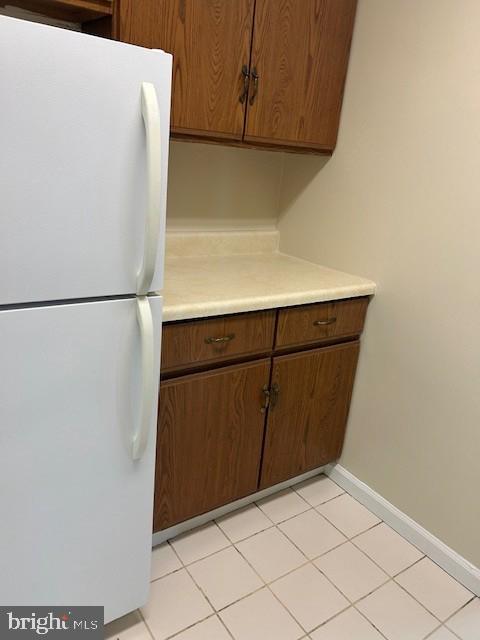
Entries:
{"x":300,"y":54}
{"x":76,"y":176}
{"x":210,"y":41}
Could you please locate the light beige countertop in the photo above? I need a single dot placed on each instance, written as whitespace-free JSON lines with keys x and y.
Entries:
{"x":197,"y":286}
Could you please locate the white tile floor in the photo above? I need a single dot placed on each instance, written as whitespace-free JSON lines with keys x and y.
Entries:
{"x":310,"y":563}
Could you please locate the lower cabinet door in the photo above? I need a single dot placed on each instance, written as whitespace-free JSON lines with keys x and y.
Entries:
{"x":310,"y":399}
{"x":209,"y":441}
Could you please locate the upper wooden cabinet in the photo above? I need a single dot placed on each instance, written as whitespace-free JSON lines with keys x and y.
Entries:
{"x":299,"y":57}
{"x":252,"y":72}
{"x":210,"y":40}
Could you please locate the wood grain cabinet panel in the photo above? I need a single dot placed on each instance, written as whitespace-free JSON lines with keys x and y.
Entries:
{"x":196,"y":342}
{"x":322,"y":321}
{"x":308,"y":413}
{"x":294,"y":52}
{"x":229,"y":431}
{"x":210,"y":42}
{"x":69,"y":10}
{"x":300,"y":52}
{"x":210,"y":433}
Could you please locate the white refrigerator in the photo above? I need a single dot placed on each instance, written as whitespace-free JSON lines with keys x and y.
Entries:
{"x":84,"y":128}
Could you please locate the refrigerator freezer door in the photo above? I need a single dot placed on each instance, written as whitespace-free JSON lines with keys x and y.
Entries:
{"x":79,"y":173}
{"x":76,"y":506}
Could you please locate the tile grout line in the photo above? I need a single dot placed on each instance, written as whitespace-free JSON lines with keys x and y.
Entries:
{"x":307,"y":504}
{"x":430,"y":634}
{"x":274,"y":524}
{"x":270,"y":526}
{"x":473,"y":596}
{"x":455,"y":613}
{"x":424,"y":606}
{"x":310,"y":505}
{"x":342,"y":532}
{"x":183,"y":567}
{"x":266,"y":585}
{"x":149,"y":631}
{"x":309,"y":562}
{"x":191,"y":626}
{"x":208,"y":555}
{"x":352,"y":604}
{"x":392,"y":577}
{"x":315,"y":508}
{"x":215,"y":612}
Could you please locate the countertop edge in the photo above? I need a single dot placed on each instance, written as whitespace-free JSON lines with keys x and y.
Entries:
{"x":191,"y":311}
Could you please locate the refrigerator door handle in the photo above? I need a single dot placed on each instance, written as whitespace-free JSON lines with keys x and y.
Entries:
{"x":148,"y":386}
{"x":151,"y":118}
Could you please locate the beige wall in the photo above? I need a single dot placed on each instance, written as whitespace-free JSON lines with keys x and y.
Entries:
{"x":215,"y":187}
{"x":400,"y":202}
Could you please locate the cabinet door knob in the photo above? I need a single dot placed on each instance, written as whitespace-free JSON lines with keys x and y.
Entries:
{"x":221,"y":339}
{"x":322,"y":323}
{"x":274,"y":393}
{"x":255,"y":77}
{"x":266,"y":394}
{"x":271,"y":396}
{"x":246,"y":82}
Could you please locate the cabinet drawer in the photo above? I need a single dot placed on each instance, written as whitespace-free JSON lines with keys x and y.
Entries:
{"x":319,"y":322}
{"x":193,"y":343}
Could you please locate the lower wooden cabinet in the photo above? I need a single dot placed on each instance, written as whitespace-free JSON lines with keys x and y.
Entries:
{"x":308,"y":410}
{"x":227,"y":431}
{"x":209,"y":441}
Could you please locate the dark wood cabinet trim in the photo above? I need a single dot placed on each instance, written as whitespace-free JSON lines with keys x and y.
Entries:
{"x":260,"y":144}
{"x":68,"y":10}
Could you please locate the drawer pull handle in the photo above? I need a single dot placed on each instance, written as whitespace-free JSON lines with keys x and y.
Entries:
{"x":220,"y":340}
{"x":322,"y":323}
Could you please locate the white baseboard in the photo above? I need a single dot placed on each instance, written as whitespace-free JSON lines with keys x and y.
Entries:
{"x":177,"y":529}
{"x":453,"y":563}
